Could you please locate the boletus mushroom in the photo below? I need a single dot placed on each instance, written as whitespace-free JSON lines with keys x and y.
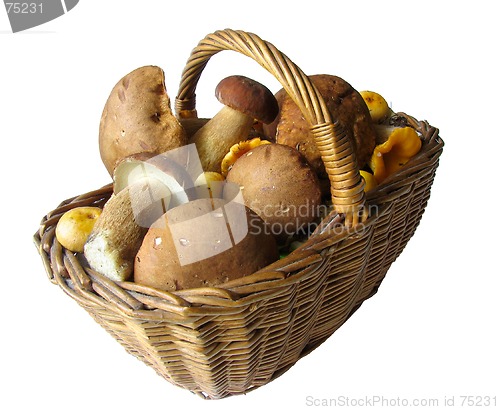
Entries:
{"x":145,"y":188}
{"x":278,"y":184}
{"x":245,"y":101}
{"x":346,"y":106}
{"x":137,"y":118}
{"x":205,"y":242}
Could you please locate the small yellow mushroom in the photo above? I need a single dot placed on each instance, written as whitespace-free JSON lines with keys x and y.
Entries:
{"x":237,"y":150}
{"x":209,"y":184}
{"x":377,"y":105}
{"x":74,"y":227}
{"x":388,"y":157}
{"x":370,"y":181}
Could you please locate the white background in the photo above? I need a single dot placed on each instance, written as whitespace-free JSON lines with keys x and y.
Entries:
{"x":432,"y":330}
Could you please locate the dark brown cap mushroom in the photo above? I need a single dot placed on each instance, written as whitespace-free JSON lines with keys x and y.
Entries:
{"x":245,"y":101}
{"x":248,"y":97}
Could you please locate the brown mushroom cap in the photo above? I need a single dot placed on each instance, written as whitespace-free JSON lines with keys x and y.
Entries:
{"x":278,"y":184}
{"x":137,"y":118}
{"x":249,"y":97}
{"x":205,"y":242}
{"x":345,"y":104}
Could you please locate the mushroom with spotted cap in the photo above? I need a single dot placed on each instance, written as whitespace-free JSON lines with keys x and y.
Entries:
{"x":205,"y":242}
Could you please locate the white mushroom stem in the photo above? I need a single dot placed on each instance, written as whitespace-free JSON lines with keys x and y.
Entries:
{"x":118,"y":233}
{"x":218,"y":135}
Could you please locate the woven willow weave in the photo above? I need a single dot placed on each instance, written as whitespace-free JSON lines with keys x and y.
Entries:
{"x":218,"y":342}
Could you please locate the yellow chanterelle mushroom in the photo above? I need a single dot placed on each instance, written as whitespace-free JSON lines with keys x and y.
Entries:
{"x":402,"y":144}
{"x":237,"y":150}
{"x":370,"y":181}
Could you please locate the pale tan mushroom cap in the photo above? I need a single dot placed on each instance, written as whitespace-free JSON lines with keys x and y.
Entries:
{"x":137,"y":118}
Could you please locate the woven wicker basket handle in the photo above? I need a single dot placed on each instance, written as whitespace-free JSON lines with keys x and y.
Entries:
{"x":333,"y":143}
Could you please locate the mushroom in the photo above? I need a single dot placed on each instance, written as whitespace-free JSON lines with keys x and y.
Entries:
{"x":169,"y":168}
{"x":279,"y":185}
{"x":192,"y":124}
{"x":389,"y":156}
{"x":237,"y":150}
{"x":377,"y":106}
{"x":137,"y":118}
{"x":245,"y":101}
{"x":370,"y":181}
{"x":75,"y":225}
{"x":345,"y":104}
{"x":209,"y":184}
{"x":205,"y":242}
{"x":144,"y":189}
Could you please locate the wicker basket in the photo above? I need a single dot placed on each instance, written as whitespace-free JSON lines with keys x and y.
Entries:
{"x":218,"y":342}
